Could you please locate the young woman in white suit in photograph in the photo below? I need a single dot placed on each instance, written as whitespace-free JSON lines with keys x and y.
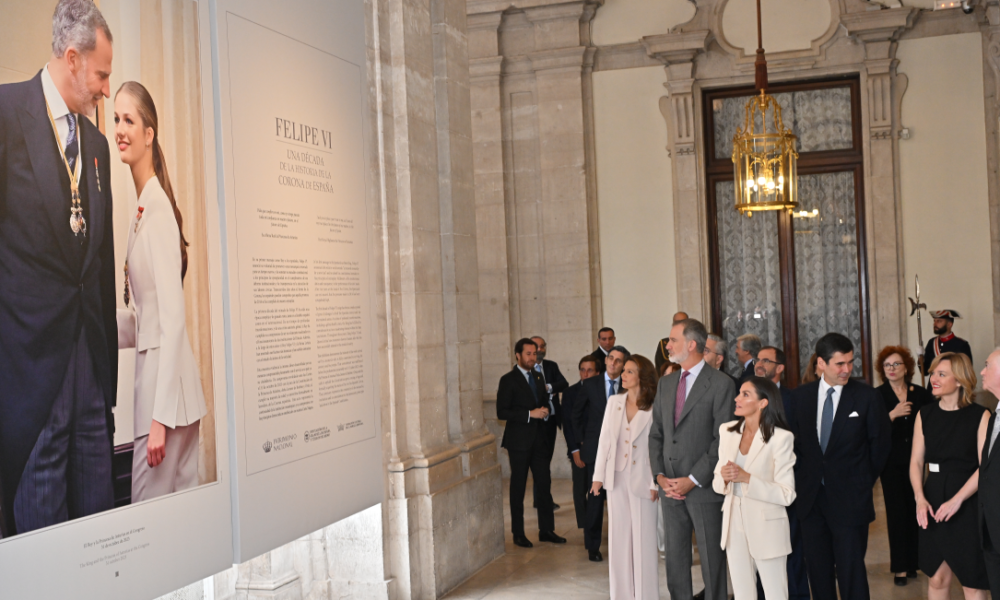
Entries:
{"x":169,"y":401}
{"x":755,"y":475}
{"x":622,"y":466}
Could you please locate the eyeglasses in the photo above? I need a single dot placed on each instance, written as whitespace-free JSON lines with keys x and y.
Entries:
{"x":766,"y":361}
{"x":892,"y":366}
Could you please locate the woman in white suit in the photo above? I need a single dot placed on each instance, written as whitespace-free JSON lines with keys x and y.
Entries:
{"x":622,"y":466}
{"x":755,"y":475}
{"x":169,"y":401}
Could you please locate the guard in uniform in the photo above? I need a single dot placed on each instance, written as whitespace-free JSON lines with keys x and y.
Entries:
{"x":944,"y":340}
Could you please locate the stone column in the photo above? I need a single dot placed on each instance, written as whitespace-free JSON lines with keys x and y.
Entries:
{"x":270,"y":576}
{"x":677,"y":52}
{"x":879,"y":31}
{"x":442,"y":463}
{"x":991,"y":90}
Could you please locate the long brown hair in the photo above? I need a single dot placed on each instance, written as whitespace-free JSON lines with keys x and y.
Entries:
{"x":647,"y":381}
{"x":147,"y":112}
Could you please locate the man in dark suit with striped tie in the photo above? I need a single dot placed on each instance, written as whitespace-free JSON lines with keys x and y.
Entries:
{"x":58,"y":334}
{"x":989,"y":481}
{"x":523,"y":403}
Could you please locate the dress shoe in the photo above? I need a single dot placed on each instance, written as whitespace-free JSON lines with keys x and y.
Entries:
{"x":550,"y":536}
{"x":555,"y":506}
{"x":911,"y":574}
{"x":520,"y":540}
{"x":900,"y":581}
{"x":700,"y":595}
{"x":595,"y":556}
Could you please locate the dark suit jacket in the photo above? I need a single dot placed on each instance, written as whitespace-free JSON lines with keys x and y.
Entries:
{"x":989,"y":491}
{"x":858,"y":449}
{"x":787,"y":402}
{"x":902,"y":428}
{"x":588,"y":415}
{"x":747,"y":372}
{"x":514,"y":400}
{"x":51,"y":288}
{"x":692,"y":447}
{"x":555,"y":378}
{"x":599,"y":356}
{"x":569,"y":400}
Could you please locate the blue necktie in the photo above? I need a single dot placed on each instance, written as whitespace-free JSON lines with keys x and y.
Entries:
{"x":827,"y":423}
{"x":72,"y":149}
{"x":611,"y":388}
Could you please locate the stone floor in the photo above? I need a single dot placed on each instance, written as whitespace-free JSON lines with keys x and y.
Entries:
{"x":557,"y":572}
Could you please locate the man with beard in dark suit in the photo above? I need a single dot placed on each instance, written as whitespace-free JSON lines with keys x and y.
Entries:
{"x":58,"y":333}
{"x":588,"y":416}
{"x":523,"y":403}
{"x":588,"y":368}
{"x":555,"y":384}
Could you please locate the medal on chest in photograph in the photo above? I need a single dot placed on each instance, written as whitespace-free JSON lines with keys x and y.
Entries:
{"x":77,"y":223}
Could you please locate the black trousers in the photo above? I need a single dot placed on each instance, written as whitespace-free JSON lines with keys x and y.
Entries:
{"x":835,"y":553}
{"x":900,"y":517}
{"x":593,"y":529}
{"x":580,"y":488}
{"x":992,"y":557}
{"x":537,"y":459}
{"x":551,"y":430}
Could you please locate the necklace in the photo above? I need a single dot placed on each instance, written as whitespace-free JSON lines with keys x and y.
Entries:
{"x":76,"y":221}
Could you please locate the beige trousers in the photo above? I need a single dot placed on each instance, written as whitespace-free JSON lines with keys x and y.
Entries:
{"x":743,"y":569}
{"x":178,"y":471}
{"x":632,"y":555}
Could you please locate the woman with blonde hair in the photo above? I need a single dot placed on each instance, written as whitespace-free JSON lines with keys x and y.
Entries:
{"x":948,"y":438}
{"x":169,"y":400}
{"x":623,"y":467}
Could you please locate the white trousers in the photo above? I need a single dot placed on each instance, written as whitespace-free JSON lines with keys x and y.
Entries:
{"x":178,"y":471}
{"x":633,"y":559}
{"x":743,"y":569}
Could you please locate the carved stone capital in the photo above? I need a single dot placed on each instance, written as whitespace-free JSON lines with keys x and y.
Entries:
{"x":674,"y":48}
{"x":878,"y":25}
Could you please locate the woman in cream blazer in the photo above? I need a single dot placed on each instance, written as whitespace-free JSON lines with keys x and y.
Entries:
{"x":755,"y":475}
{"x":622,"y":466}
{"x":169,"y":401}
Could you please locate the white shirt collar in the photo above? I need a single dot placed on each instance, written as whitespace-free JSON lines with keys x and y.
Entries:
{"x":523,"y":371}
{"x":747,"y":363}
{"x":603,"y":350}
{"x":56,"y":103}
{"x":609,"y":380}
{"x":695,"y":370}
{"x":824,"y":386}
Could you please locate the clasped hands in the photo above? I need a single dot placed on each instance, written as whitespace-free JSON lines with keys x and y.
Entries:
{"x":675,"y":488}
{"x":944,"y":512}
{"x":732,"y":472}
{"x":538,"y":413}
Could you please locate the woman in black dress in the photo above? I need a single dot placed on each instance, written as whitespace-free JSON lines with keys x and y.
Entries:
{"x":903,"y":400}
{"x":948,"y":438}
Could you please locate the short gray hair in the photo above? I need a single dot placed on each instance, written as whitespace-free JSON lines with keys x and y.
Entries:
{"x":750,"y":343}
{"x":695,"y":332}
{"x":75,"y":24}
{"x":720,"y":344}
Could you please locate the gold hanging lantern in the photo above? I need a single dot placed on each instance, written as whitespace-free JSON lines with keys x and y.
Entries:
{"x":765,"y":163}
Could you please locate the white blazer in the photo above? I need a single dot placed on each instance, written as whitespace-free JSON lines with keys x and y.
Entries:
{"x":172,"y":393}
{"x":765,"y":498}
{"x":641,"y":474}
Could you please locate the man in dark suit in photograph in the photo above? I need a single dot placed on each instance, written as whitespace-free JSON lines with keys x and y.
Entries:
{"x":771,"y":365}
{"x":690,"y":406}
{"x":588,"y":416}
{"x":58,"y":345}
{"x":842,"y":442}
{"x":989,"y":481}
{"x":605,"y":342}
{"x":523,"y":403}
{"x":588,"y":368}
{"x":555,"y":384}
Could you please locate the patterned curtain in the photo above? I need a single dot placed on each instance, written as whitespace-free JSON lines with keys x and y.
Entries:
{"x":749,"y":275}
{"x":820,"y":118}
{"x":826,"y":263}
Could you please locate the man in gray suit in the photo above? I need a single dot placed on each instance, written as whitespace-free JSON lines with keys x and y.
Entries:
{"x":690,"y":406}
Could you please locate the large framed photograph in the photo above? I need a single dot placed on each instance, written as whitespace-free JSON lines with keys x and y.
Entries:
{"x":113,"y":419}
